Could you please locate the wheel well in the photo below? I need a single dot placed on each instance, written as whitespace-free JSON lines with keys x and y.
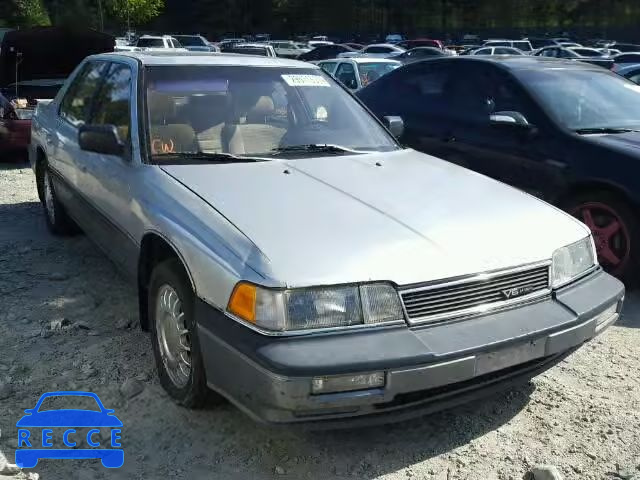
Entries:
{"x":41,"y":159}
{"x":586,"y":187}
{"x":153,"y":250}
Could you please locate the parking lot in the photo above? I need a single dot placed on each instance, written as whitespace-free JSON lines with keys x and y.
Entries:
{"x":69,"y":321}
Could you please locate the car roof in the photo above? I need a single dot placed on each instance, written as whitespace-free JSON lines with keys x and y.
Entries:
{"x":381,"y":45}
{"x":369,"y":60}
{"x":521,"y":62}
{"x":204,"y":58}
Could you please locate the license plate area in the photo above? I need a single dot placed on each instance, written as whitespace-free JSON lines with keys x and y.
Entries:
{"x":509,"y":356}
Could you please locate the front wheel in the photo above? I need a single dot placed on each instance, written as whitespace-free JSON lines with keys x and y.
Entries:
{"x":58,"y":222}
{"x":174,"y":335}
{"x":614,"y":228}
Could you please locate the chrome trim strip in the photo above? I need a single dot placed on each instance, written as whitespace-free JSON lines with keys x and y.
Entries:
{"x":478,"y":310}
{"x":479,"y":277}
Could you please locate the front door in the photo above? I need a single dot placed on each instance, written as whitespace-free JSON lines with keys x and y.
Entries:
{"x":106,"y":182}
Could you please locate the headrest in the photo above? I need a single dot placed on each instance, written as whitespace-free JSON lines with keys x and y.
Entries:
{"x":264,"y":107}
{"x":162,"y":108}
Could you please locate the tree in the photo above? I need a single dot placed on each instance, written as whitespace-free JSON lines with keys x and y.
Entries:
{"x":31,"y":13}
{"x":136,"y":11}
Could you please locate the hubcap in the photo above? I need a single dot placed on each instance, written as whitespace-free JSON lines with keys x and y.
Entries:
{"x":48,"y":197}
{"x":173,"y":336}
{"x":610,"y":234}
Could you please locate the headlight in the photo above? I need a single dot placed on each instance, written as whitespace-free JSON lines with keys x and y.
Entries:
{"x":571,"y":261}
{"x":312,"y":308}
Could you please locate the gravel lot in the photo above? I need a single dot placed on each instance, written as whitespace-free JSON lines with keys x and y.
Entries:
{"x":582,"y":416}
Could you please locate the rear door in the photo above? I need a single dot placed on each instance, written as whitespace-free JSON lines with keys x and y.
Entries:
{"x":519,"y":156}
{"x":420,"y":98}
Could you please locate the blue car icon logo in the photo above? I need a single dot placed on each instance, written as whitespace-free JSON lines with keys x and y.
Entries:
{"x":36,"y":433}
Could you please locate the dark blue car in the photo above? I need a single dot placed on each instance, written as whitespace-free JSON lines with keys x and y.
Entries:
{"x":567,"y":132}
{"x":36,"y":425}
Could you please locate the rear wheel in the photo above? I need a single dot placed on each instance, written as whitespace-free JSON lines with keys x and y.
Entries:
{"x":614,"y":228}
{"x":174,"y":335}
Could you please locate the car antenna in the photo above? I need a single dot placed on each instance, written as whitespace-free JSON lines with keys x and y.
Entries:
{"x":18,"y":62}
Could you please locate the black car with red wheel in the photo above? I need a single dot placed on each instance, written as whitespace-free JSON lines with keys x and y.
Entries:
{"x":567,"y":132}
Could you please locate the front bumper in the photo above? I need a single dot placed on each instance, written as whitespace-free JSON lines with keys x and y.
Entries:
{"x":427,"y":368}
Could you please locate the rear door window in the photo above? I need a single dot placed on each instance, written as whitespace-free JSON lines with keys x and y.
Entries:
{"x":75,"y":107}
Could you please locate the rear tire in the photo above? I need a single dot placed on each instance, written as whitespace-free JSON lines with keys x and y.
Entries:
{"x":615,"y":230}
{"x":174,"y":336}
{"x":58,"y":221}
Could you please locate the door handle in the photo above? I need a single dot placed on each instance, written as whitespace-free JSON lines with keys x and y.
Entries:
{"x":49,"y":139}
{"x":449,"y":138}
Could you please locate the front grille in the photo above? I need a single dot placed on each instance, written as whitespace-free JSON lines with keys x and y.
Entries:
{"x":474,"y":295}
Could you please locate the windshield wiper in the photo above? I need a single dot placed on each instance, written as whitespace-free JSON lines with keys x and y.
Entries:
{"x":612,"y":130}
{"x":204,"y":157}
{"x":314,"y":148}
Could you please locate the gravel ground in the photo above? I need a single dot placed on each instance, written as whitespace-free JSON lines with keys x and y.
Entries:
{"x":582,"y":416}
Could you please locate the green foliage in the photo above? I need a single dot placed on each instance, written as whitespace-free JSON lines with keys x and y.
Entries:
{"x":136,"y":11}
{"x":30,"y":13}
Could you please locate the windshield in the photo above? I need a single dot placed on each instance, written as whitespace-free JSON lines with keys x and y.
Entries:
{"x":191,"y":41}
{"x":524,"y":46}
{"x":370,"y":72}
{"x":253,"y":111}
{"x":585,"y":99}
{"x":150,"y":42}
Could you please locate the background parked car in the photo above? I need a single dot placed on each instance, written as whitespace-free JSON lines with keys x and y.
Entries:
{"x":159,"y":42}
{"x":195,"y":43}
{"x":625,"y":59}
{"x":543,"y":126}
{"x":418,"y":53}
{"x":522,"y":45}
{"x":625,"y":47}
{"x":497,"y":51}
{"x":325,"y":52}
{"x":420,"y":42}
{"x":259,"y":49}
{"x":380,"y":50}
{"x":630,"y":72}
{"x":573,"y":55}
{"x":44,"y":63}
{"x":356,"y":73}
{"x":537,"y":43}
{"x":15,"y":129}
{"x":287,"y":48}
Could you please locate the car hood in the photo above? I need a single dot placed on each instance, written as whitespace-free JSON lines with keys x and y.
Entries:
{"x":400,"y":216}
{"x":69,"y":418}
{"x":626,"y":142}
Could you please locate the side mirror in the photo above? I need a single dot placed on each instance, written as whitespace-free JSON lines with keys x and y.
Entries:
{"x":509,"y":118}
{"x":395,"y":125}
{"x":100,"y":139}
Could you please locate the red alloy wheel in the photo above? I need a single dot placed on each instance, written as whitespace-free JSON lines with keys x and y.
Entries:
{"x":610,"y":234}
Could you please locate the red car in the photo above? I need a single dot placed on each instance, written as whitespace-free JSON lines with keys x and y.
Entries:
{"x":15,"y":129}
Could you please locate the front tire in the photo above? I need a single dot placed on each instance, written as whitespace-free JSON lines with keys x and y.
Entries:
{"x":58,"y":221}
{"x":174,"y":335}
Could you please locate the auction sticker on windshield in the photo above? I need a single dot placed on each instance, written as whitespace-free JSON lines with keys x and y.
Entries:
{"x":305,"y":81}
{"x":91,"y":432}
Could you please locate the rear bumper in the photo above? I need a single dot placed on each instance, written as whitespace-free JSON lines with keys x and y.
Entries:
{"x":427,"y":369}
